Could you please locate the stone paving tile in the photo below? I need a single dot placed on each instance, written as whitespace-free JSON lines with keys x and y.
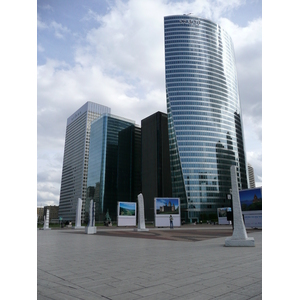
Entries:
{"x":246,"y":280}
{"x":125,"y":296}
{"x":258,"y":297}
{"x":152,"y":290}
{"x":109,"y":291}
{"x":47,"y":283}
{"x":184,"y":291}
{"x":251,"y":290}
{"x":231,"y":296}
{"x":138,"y":268}
{"x":215,"y":281}
{"x":92,"y":283}
{"x":197,"y":296}
{"x":152,"y":282}
{"x":42,"y":297}
{"x":45,"y":291}
{"x":192,"y":279}
{"x":219,"y":289}
{"x":61,"y":296}
{"x":161,"y":296}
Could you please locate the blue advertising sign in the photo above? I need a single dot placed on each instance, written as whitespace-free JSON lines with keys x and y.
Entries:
{"x":251,"y":199}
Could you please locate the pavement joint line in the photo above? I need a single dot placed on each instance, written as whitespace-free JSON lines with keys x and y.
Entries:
{"x":142,"y":267}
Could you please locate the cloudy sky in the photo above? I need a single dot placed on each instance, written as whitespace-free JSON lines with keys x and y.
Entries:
{"x":112,"y":53}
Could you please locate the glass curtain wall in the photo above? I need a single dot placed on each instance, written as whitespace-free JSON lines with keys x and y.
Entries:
{"x":103,"y":165}
{"x":204,"y":114}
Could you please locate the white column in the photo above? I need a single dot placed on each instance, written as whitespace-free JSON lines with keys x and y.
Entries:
{"x":46,"y":221}
{"x":78,"y":215}
{"x":239,"y":236}
{"x":141,"y":217}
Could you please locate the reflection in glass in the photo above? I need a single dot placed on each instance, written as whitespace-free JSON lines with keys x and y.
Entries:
{"x":204,"y":114}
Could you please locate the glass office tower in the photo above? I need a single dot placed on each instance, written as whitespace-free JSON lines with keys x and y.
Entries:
{"x":103,"y":165}
{"x":76,"y":154}
{"x":204,"y":114}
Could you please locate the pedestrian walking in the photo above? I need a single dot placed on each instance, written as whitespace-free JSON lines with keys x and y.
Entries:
{"x":171,"y":221}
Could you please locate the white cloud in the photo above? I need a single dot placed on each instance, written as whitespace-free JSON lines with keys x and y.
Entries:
{"x":59,"y":30}
{"x":91,"y":15}
{"x":47,"y":194}
{"x":45,"y":7}
{"x":40,"y":24}
{"x":40,"y":48}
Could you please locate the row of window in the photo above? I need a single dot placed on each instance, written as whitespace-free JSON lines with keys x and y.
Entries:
{"x":203,"y":62}
{"x":207,"y":84}
{"x":172,"y":44}
{"x":203,"y":103}
{"x":211,"y":121}
{"x":205,"y":81}
{"x":203,"y":67}
{"x":207,"y":147}
{"x":172,"y":47}
{"x":198,"y":70}
{"x":202,"y":100}
{"x":183,"y":114}
{"x":196,"y":39}
{"x":201,"y":46}
{"x":199,"y":58}
{"x":199,"y":127}
{"x":198,"y":30}
{"x":211,"y":33}
{"x":208,"y":93}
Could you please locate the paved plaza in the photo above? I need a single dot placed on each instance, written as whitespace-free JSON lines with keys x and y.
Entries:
{"x":120,"y":263}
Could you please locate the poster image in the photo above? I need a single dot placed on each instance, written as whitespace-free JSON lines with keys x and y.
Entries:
{"x":251,"y":200}
{"x":222,"y":215}
{"x":222,"y":212}
{"x":127,"y":209}
{"x":167,"y":206}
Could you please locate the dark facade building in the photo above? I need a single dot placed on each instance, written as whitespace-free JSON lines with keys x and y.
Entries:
{"x":156,"y":174}
{"x":53,"y":212}
{"x":204,"y":114}
{"x":103,"y":165}
{"x":129,"y":177}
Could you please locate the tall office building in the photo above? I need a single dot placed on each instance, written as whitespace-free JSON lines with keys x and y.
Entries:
{"x":156,"y":175}
{"x":103,"y":165}
{"x":251,"y":176}
{"x":129,"y":181}
{"x":75,"y":163}
{"x":204,"y":114}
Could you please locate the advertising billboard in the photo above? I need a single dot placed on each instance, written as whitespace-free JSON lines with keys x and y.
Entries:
{"x":164,"y":208}
{"x":126,"y":214}
{"x":222,"y":215}
{"x":251,"y":199}
{"x":251,"y":205}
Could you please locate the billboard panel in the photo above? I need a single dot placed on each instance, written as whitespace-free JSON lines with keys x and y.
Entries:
{"x":222,"y":215}
{"x":167,"y":206}
{"x":253,"y":220}
{"x":126,"y":214}
{"x":251,"y":199}
{"x":164,"y":207}
{"x":127,"y":208}
{"x":251,"y":205}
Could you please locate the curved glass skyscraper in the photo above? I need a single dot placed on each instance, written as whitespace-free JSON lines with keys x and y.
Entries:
{"x":204,"y":114}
